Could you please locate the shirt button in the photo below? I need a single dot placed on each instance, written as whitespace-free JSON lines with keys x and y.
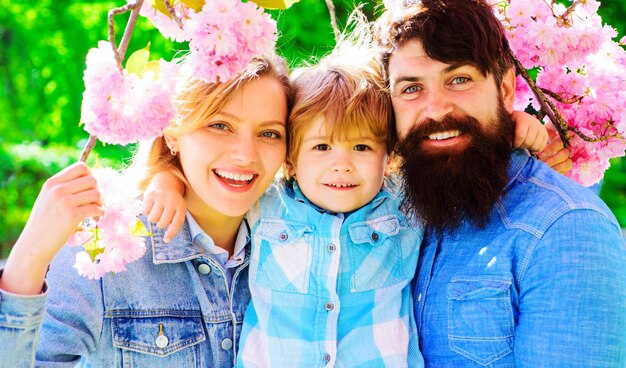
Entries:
{"x":329,"y":306}
{"x":331,"y":247}
{"x":162,"y":341}
{"x":204,"y":268}
{"x":227,"y":344}
{"x":419,"y":297}
{"x":375,"y":236}
{"x":326,"y":358}
{"x":283,"y":236}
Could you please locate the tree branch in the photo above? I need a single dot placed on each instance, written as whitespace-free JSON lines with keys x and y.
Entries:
{"x":333,"y":18}
{"x":118,"y":52}
{"x":547,"y":106}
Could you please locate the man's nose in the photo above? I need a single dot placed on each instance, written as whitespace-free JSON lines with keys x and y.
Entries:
{"x":438,"y":105}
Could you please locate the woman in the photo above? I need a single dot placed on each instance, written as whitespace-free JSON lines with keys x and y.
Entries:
{"x":181,"y":305}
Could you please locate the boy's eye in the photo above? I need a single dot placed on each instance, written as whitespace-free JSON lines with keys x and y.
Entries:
{"x":271,"y":134}
{"x":321,"y":147}
{"x":361,"y":147}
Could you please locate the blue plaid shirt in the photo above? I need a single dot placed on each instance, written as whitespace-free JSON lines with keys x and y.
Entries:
{"x":330,"y":289}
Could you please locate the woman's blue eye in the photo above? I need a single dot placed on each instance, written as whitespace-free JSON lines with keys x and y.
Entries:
{"x":271,"y":134}
{"x":219,"y":126}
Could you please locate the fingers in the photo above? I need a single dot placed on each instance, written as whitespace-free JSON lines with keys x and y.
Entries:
{"x":521,"y":132}
{"x":156,"y":212}
{"x":551,"y":149}
{"x":561,"y":160}
{"x":175,"y":225}
{"x":74,"y":171}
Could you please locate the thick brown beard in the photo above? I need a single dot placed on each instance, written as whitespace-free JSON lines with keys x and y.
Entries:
{"x":445,"y":187}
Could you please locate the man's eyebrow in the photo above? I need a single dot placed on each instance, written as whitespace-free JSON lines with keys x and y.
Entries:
{"x":450,"y":68}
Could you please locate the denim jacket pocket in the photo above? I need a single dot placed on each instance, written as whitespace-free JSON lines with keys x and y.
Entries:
{"x":282,"y":256}
{"x":375,"y":254}
{"x":149,"y":338}
{"x":481,"y":325}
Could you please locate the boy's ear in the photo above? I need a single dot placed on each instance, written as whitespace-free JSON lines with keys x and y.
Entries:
{"x":507,"y":89}
{"x":394,"y":162}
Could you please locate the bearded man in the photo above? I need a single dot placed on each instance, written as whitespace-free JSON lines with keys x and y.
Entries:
{"x":521,"y":267}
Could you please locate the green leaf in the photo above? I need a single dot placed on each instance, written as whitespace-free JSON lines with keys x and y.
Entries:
{"x":194,"y":4}
{"x":139,"y":229}
{"x":92,"y":246}
{"x":275,"y":4}
{"x":138,"y":60}
{"x":159,"y":5}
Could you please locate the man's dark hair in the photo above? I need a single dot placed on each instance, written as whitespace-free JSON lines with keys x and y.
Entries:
{"x":451,"y":31}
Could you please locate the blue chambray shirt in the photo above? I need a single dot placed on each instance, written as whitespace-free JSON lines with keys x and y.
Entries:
{"x":542,"y":285}
{"x":330,"y":290}
{"x":116,"y":321}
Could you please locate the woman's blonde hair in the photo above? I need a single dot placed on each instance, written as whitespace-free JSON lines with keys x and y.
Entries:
{"x":196,"y":102}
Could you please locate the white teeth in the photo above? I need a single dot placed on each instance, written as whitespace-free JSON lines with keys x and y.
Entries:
{"x":342,"y":185}
{"x":234,"y":176}
{"x":445,"y":135}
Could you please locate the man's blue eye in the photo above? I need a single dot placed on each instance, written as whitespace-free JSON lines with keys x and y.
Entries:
{"x":411,"y":89}
{"x":460,"y":80}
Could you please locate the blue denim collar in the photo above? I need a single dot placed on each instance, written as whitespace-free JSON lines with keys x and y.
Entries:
{"x":180,"y":249}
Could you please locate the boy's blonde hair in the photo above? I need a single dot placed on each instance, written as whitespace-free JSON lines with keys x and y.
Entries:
{"x":196,"y":103}
{"x":346,"y":89}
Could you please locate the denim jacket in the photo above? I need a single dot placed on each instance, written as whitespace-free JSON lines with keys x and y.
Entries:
{"x":171,"y":308}
{"x":542,"y":285}
{"x":330,"y":290}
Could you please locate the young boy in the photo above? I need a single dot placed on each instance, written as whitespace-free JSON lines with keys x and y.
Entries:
{"x":332,"y":253}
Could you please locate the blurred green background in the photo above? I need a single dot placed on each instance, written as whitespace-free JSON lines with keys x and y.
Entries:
{"x":43,"y":45}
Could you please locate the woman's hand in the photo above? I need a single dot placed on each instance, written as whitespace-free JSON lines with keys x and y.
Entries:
{"x":63,"y":202}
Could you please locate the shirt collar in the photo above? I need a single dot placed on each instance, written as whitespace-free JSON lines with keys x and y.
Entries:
{"x":299,"y":196}
{"x":183,"y":248}
{"x":201,"y":238}
{"x":519,"y":158}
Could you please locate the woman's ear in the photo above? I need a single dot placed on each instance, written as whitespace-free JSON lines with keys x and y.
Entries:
{"x":172,"y":144}
{"x":290,"y":170}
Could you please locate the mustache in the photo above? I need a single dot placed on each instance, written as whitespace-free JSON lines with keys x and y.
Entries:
{"x":465,"y":124}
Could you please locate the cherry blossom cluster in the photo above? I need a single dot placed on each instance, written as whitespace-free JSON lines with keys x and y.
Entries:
{"x":115,"y":239}
{"x":580,"y":68}
{"x":223,"y":35}
{"x":120,"y":107}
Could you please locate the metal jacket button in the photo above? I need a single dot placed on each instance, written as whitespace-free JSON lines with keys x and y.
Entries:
{"x":204,"y":268}
{"x":227,"y":344}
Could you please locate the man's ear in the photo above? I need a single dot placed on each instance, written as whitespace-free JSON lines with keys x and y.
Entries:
{"x":507,"y":89}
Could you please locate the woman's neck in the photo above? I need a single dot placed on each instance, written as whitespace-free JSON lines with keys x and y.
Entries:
{"x":221,"y":228}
